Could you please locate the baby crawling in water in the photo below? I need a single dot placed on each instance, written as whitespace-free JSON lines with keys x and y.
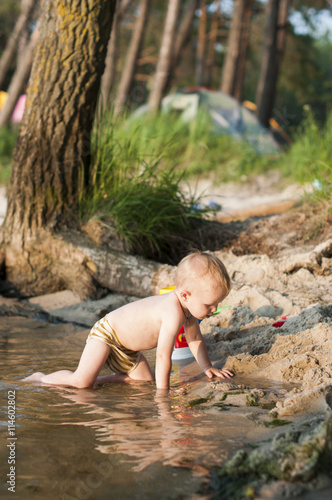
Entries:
{"x":201,"y":283}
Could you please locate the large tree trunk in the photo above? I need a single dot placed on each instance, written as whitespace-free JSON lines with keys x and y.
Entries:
{"x":28,"y":7}
{"x":267,"y":79}
{"x":19,"y":79}
{"x":233,"y":69}
{"x":54,"y":139}
{"x":165,"y":57}
{"x":52,"y":157}
{"x":131,"y":59}
{"x":201,"y":43}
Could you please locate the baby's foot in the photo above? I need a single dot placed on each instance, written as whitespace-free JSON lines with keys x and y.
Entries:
{"x":35,"y":377}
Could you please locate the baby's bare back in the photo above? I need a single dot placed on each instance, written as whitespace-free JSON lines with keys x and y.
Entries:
{"x":138,"y":324}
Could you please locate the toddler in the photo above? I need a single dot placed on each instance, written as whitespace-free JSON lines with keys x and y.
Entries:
{"x":201,"y":283}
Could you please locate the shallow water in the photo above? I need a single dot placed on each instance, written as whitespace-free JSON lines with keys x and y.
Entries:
{"x":117,"y":441}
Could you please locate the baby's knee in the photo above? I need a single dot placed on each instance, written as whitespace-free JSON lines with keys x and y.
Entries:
{"x":82,"y":382}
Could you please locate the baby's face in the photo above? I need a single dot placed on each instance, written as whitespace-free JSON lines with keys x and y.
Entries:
{"x":204,"y":299}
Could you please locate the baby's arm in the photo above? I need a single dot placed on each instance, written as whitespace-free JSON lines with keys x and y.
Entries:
{"x":167,"y":334}
{"x":198,"y":347}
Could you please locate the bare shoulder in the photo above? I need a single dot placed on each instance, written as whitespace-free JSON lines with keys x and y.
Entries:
{"x":170,"y":307}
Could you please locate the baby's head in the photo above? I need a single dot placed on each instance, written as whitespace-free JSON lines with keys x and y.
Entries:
{"x":203,"y":277}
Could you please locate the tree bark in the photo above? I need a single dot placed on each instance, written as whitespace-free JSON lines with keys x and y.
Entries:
{"x":67,"y":260}
{"x":28,"y":7}
{"x":201,"y":43}
{"x":52,"y":156}
{"x":51,"y":159}
{"x":19,"y":80}
{"x":165,"y":57}
{"x":233,"y":69}
{"x":267,"y":79}
{"x":131,"y":59}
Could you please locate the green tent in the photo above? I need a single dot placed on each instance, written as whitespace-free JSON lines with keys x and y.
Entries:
{"x":228,"y":116}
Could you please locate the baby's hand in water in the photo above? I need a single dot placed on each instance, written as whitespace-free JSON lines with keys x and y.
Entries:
{"x":179,"y":391}
{"x":214,"y":372}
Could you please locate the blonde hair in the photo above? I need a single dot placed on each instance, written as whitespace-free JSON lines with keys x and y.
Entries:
{"x":202,"y":264}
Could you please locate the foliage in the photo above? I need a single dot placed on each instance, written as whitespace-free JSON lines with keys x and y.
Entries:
{"x":309,"y":157}
{"x":139,"y":164}
{"x":138,"y":167}
{"x":8,"y":138}
{"x":137,"y":195}
{"x":194,"y":148}
{"x":305,"y":72}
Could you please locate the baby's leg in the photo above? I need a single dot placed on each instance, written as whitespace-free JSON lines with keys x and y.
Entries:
{"x":35,"y":377}
{"x":92,"y":360}
{"x":142,"y":371}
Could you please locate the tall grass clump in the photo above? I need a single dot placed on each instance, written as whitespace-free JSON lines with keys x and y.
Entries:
{"x":153,"y":135}
{"x":135,"y":194}
{"x":192,"y":146}
{"x":310,"y":156}
{"x":310,"y":159}
{"x":226,"y":158}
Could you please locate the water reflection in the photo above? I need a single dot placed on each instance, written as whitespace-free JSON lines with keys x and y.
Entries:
{"x":115,"y":441}
{"x":150,"y":428}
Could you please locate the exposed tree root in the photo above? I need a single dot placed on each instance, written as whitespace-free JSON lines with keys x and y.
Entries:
{"x":52,"y":262}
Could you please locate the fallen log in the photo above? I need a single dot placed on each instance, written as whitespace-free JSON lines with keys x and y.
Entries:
{"x":52,"y":262}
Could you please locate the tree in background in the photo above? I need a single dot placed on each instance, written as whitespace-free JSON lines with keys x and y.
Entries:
{"x":273,"y":52}
{"x":110,"y":62}
{"x":52,"y":157}
{"x":201,"y":45}
{"x":19,"y":79}
{"x":210,"y":65}
{"x":233,"y":68}
{"x":266,"y":81}
{"x":10,"y":11}
{"x":182,"y":37}
{"x":165,"y":56}
{"x":19,"y":32}
{"x":128,"y":72}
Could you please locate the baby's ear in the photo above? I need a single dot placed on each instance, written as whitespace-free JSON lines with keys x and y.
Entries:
{"x":184,"y":294}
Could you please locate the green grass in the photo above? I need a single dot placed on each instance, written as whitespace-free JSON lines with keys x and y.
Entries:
{"x":138,"y":166}
{"x":198,"y":150}
{"x":194,"y":147}
{"x":309,"y":159}
{"x":136,"y":194}
{"x":310,"y":156}
{"x":8,"y":136}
